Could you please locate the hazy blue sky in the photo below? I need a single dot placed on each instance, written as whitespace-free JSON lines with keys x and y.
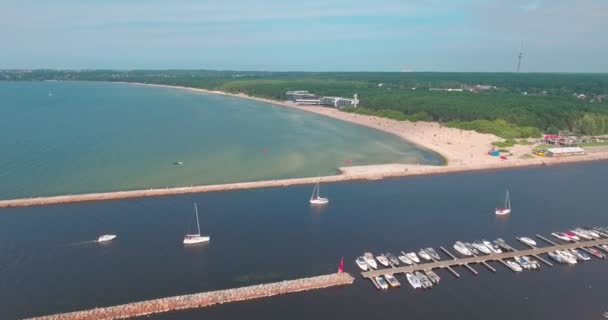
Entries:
{"x":319,"y":35}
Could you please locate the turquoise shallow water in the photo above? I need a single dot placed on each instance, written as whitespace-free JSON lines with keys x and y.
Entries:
{"x":79,"y":137}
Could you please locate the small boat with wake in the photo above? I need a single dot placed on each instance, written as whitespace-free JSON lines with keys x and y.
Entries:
{"x":106,"y":238}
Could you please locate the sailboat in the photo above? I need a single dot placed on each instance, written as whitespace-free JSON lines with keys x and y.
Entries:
{"x":315,"y":198}
{"x":507,"y":208}
{"x":195,"y":238}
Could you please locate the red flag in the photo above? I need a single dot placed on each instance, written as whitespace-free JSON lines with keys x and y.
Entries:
{"x":341,"y":267}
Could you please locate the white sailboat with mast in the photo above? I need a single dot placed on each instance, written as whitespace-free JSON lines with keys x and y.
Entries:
{"x":315,"y":198}
{"x":507,"y":208}
{"x":195,"y":238}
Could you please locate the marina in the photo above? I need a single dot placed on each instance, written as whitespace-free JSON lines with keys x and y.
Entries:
{"x":521,"y":260}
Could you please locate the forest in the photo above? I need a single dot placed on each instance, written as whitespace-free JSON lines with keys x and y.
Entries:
{"x":518,"y":105}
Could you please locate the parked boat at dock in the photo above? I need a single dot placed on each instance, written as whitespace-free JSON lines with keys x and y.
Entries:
{"x":514,"y":266}
{"x":581,"y":234}
{"x":392,"y":281}
{"x":568,"y":258}
{"x":481,"y":247}
{"x":369,"y":258}
{"x":556,"y":257}
{"x":493,"y":248}
{"x":424,"y":255}
{"x":572,"y":236}
{"x":471,"y":248}
{"x":582,"y":256}
{"x":413,"y":257}
{"x":383,"y":260}
{"x":462,"y":249}
{"x":361,"y":263}
{"x":561,"y":236}
{"x":598,"y":254}
{"x":433,"y":253}
{"x":426,"y":283}
{"x":413,"y":280}
{"x":392,"y":259}
{"x":528,"y":241}
{"x":405,"y":259}
{"x":432,"y":276}
{"x":381,"y":282}
{"x":523,"y":262}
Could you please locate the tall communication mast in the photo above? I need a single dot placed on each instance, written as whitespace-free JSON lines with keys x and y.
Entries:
{"x":520,"y":56}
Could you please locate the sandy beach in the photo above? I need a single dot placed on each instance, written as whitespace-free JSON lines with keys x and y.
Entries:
{"x":462,"y":150}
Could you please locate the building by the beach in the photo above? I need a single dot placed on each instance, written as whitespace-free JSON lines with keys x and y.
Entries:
{"x":306,"y":97}
{"x":564,"y":152}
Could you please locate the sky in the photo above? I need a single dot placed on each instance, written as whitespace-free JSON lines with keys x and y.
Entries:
{"x":308,"y":35}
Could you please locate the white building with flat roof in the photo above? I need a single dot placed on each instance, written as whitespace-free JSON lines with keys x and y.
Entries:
{"x":340,"y":102}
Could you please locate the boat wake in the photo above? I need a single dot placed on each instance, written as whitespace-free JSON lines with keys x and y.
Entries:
{"x":80,"y":243}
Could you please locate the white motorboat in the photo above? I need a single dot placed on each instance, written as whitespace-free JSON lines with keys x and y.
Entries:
{"x":514,"y":266}
{"x":460,"y":247}
{"x":482,"y":247}
{"x":381,"y":282}
{"x":195,"y":238}
{"x":383,"y":260}
{"x":361,"y":263}
{"x":424,"y":255}
{"x":405,"y":259}
{"x":413,"y":257}
{"x":433,"y":253}
{"x":315,"y":199}
{"x":507,"y":208}
{"x":369,"y":259}
{"x":413,"y":280}
{"x":493,"y":248}
{"x":561,"y":236}
{"x":580,"y":255}
{"x":567,"y":257}
{"x":392,"y":281}
{"x":528,"y":241}
{"x":581,"y":234}
{"x":106,"y":237}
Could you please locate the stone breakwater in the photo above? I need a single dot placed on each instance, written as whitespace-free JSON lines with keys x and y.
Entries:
{"x":370,"y":172}
{"x":205,"y":299}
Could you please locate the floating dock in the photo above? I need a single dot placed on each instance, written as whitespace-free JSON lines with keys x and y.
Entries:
{"x":484,"y":259}
{"x":202,"y":300}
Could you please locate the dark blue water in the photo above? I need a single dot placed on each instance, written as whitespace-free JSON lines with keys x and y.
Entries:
{"x":267,"y":235}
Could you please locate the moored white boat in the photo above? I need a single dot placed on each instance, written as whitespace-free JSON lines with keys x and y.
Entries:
{"x":413,"y":280}
{"x":514,"y":266}
{"x":405,"y":259}
{"x":383,"y":260}
{"x":493,"y":248}
{"x":561,"y":236}
{"x":567,"y":257}
{"x":528,"y":241}
{"x":106,"y":237}
{"x":392,"y":281}
{"x":598,"y":254}
{"x":369,"y":259}
{"x":413,"y":257}
{"x":426,"y":283}
{"x":381,"y":282}
{"x":433,"y":276}
{"x":572,"y":236}
{"x":582,"y":256}
{"x":392,"y":259}
{"x":361,"y":263}
{"x":433,"y":253}
{"x":581,"y":234}
{"x":424,"y":255}
{"x":482,"y":247}
{"x":462,"y":249}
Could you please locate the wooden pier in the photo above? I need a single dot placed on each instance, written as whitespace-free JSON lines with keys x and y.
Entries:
{"x":205,"y":299}
{"x":535,"y":251}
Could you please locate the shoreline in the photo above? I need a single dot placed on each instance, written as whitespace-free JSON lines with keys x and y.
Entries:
{"x":462,"y":151}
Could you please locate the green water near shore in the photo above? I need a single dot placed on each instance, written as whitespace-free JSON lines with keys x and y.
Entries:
{"x":80,"y":137}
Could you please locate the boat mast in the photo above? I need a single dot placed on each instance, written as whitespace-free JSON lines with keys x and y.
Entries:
{"x":318,"y":187}
{"x":198,"y":227}
{"x":507,"y":201}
